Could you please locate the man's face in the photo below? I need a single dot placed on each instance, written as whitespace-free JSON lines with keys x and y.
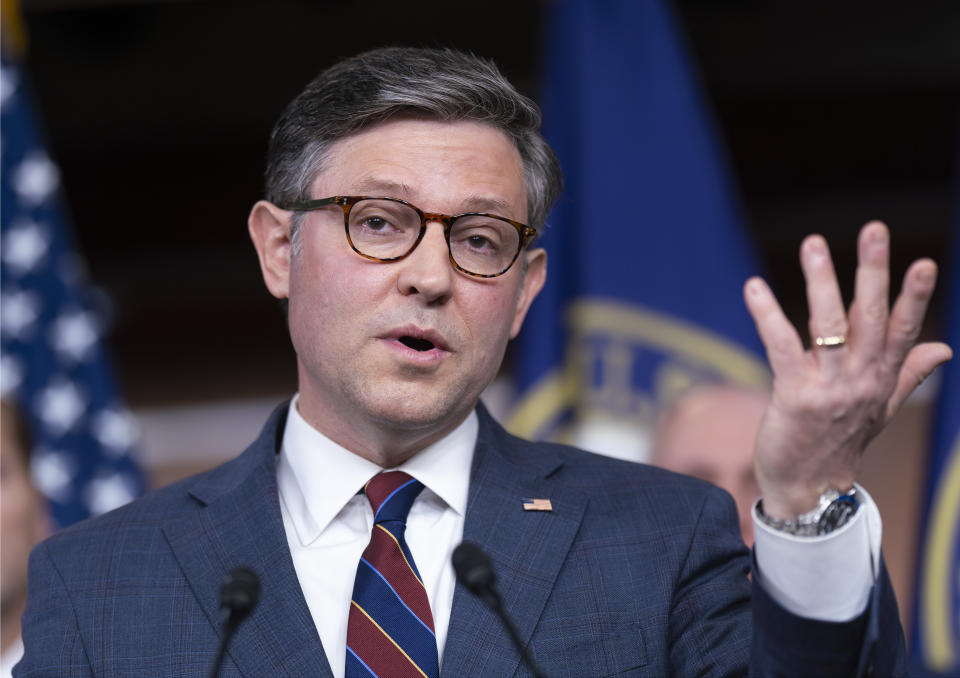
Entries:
{"x":352,"y":320}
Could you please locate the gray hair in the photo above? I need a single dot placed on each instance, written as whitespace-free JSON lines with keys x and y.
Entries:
{"x":373,"y":87}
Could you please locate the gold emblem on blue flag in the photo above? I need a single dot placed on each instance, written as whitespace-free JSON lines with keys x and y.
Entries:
{"x":622,"y":364}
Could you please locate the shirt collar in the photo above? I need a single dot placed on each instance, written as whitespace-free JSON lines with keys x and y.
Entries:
{"x":317,"y":477}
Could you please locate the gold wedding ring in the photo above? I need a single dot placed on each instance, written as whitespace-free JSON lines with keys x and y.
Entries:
{"x":834,"y":341}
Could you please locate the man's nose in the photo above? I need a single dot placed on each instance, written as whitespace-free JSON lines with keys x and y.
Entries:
{"x":427,"y":270}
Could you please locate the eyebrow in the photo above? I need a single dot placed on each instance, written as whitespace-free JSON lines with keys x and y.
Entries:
{"x":393,"y":189}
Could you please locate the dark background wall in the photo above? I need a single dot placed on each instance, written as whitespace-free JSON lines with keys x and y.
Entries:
{"x":158,"y":113}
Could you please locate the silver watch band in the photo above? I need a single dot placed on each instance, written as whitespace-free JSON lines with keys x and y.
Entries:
{"x":834,"y":509}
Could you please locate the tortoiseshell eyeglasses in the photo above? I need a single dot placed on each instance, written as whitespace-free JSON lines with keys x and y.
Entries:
{"x":388,"y":229}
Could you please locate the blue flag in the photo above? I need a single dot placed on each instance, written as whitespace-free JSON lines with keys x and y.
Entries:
{"x":53,"y":361}
{"x":936,"y":639}
{"x":647,"y":250}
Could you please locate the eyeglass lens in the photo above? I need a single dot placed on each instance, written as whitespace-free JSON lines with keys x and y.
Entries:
{"x":385,"y":229}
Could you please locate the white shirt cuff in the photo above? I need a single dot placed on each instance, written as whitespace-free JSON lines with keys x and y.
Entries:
{"x":828,"y":577}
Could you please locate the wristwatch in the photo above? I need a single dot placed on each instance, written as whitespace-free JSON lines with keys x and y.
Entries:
{"x":834,"y":509}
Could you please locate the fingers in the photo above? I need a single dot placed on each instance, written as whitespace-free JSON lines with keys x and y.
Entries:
{"x":828,"y":317}
{"x":875,"y":336}
{"x":783,"y":344}
{"x":919,"y":363}
{"x":912,"y":363}
{"x":906,"y":318}
{"x":871,"y":300}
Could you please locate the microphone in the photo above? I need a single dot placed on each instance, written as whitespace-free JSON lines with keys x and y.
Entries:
{"x":475,"y":571}
{"x":238,"y":595}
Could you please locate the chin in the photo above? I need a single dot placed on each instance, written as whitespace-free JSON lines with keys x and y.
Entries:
{"x":410,"y":416}
{"x":417,"y":409}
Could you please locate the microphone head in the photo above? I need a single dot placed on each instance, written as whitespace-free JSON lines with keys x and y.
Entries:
{"x":473,"y":567}
{"x":240,"y":591}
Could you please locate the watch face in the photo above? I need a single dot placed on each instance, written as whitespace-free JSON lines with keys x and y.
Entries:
{"x":837,"y":514}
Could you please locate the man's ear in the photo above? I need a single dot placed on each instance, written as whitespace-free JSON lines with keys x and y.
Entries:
{"x":270,"y":232}
{"x":533,"y":281}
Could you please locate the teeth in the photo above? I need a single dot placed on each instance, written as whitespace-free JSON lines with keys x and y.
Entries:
{"x":416,"y":344}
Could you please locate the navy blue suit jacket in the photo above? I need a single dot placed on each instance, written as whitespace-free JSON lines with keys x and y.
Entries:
{"x":635,"y":571}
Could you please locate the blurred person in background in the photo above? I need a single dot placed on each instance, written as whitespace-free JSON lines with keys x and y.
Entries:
{"x":25,"y":523}
{"x":710,"y":433}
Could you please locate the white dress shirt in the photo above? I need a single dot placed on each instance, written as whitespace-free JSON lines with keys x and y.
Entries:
{"x":328,"y":526}
{"x":827,"y":578}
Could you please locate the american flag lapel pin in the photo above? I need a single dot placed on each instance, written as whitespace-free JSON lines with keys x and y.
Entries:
{"x":537,"y":505}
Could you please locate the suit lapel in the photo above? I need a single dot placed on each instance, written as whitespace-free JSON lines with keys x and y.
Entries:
{"x":239,"y":523}
{"x":527,"y":548}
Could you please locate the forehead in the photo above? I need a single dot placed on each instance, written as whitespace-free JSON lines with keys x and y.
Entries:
{"x":439,"y":166}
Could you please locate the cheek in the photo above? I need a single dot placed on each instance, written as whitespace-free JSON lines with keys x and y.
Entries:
{"x":491,"y":316}
{"x":334,"y":304}
{"x":312,"y":318}
{"x":319,"y":292}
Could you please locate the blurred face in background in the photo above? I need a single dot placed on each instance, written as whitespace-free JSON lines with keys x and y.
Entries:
{"x":24,"y":517}
{"x":710,"y":433}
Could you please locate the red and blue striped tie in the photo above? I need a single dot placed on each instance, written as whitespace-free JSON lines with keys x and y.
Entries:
{"x":390,"y":632}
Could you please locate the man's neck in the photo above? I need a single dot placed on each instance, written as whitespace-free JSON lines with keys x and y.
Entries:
{"x":382,"y":443}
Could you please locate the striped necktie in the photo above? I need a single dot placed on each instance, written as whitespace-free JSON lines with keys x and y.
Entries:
{"x":390,"y":631}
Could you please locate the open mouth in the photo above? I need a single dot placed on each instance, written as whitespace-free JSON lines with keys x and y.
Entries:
{"x":416,"y":344}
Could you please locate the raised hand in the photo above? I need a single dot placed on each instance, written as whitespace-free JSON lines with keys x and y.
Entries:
{"x":831,"y":400}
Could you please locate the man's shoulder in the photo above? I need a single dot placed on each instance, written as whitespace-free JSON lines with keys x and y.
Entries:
{"x":143,"y":519}
{"x":607,"y":479}
{"x":610,"y":480}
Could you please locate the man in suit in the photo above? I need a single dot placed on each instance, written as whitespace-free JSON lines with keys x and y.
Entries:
{"x":404,"y":190}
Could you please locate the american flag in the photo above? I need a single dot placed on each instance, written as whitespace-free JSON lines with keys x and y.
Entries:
{"x":537,"y":505}
{"x":52,"y":357}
